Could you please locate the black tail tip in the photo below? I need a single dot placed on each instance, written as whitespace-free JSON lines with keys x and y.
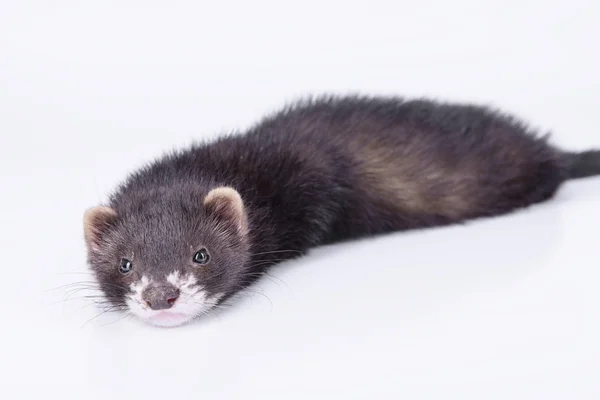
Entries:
{"x":584,"y":164}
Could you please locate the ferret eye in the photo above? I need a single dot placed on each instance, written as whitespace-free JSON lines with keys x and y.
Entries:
{"x":201,"y":257}
{"x":126,"y":266}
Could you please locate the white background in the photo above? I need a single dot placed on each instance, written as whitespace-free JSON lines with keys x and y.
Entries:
{"x":505,"y":308}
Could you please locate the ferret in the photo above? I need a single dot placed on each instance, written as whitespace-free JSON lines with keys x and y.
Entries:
{"x":192,"y":228}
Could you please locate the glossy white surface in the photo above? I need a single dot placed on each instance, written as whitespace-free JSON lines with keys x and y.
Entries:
{"x":497,"y":309}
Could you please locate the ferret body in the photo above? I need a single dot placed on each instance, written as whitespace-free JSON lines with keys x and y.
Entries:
{"x":198,"y":225}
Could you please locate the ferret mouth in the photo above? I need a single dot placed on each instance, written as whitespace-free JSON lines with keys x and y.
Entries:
{"x":193,"y":301}
{"x":168,"y":318}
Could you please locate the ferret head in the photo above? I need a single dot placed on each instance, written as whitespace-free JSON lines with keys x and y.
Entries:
{"x":168,"y":258}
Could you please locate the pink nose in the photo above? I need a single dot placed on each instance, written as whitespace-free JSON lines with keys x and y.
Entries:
{"x":160,"y":297}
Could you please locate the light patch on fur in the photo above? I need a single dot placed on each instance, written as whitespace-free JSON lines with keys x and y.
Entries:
{"x":96,"y":219}
{"x":400,"y":179}
{"x":192,"y":302}
{"x":134,"y":300}
{"x":227,"y":201}
{"x":388,"y":178}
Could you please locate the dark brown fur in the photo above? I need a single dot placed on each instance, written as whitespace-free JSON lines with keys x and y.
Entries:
{"x":322,"y":171}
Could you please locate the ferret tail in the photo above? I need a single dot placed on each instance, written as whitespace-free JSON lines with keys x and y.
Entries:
{"x":583,"y":164}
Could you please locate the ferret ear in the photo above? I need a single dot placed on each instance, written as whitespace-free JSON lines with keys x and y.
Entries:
{"x":227,"y":205}
{"x":96,"y":222}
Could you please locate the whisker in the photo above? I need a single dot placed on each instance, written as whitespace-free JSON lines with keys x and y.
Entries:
{"x":259,"y":293}
{"x":82,"y":283}
{"x":80,"y":298}
{"x":272,"y":261}
{"x":126,"y":314}
{"x":114,"y":285}
{"x":216,"y":275}
{"x":215,"y":314}
{"x":211,"y":307}
{"x":75,"y":273}
{"x":277,"y":251}
{"x":97,"y":315}
{"x":271,"y":278}
{"x":71,"y":292}
{"x":103,"y":303}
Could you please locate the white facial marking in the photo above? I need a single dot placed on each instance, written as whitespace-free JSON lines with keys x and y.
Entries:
{"x":192,"y":302}
{"x":134,"y":300}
